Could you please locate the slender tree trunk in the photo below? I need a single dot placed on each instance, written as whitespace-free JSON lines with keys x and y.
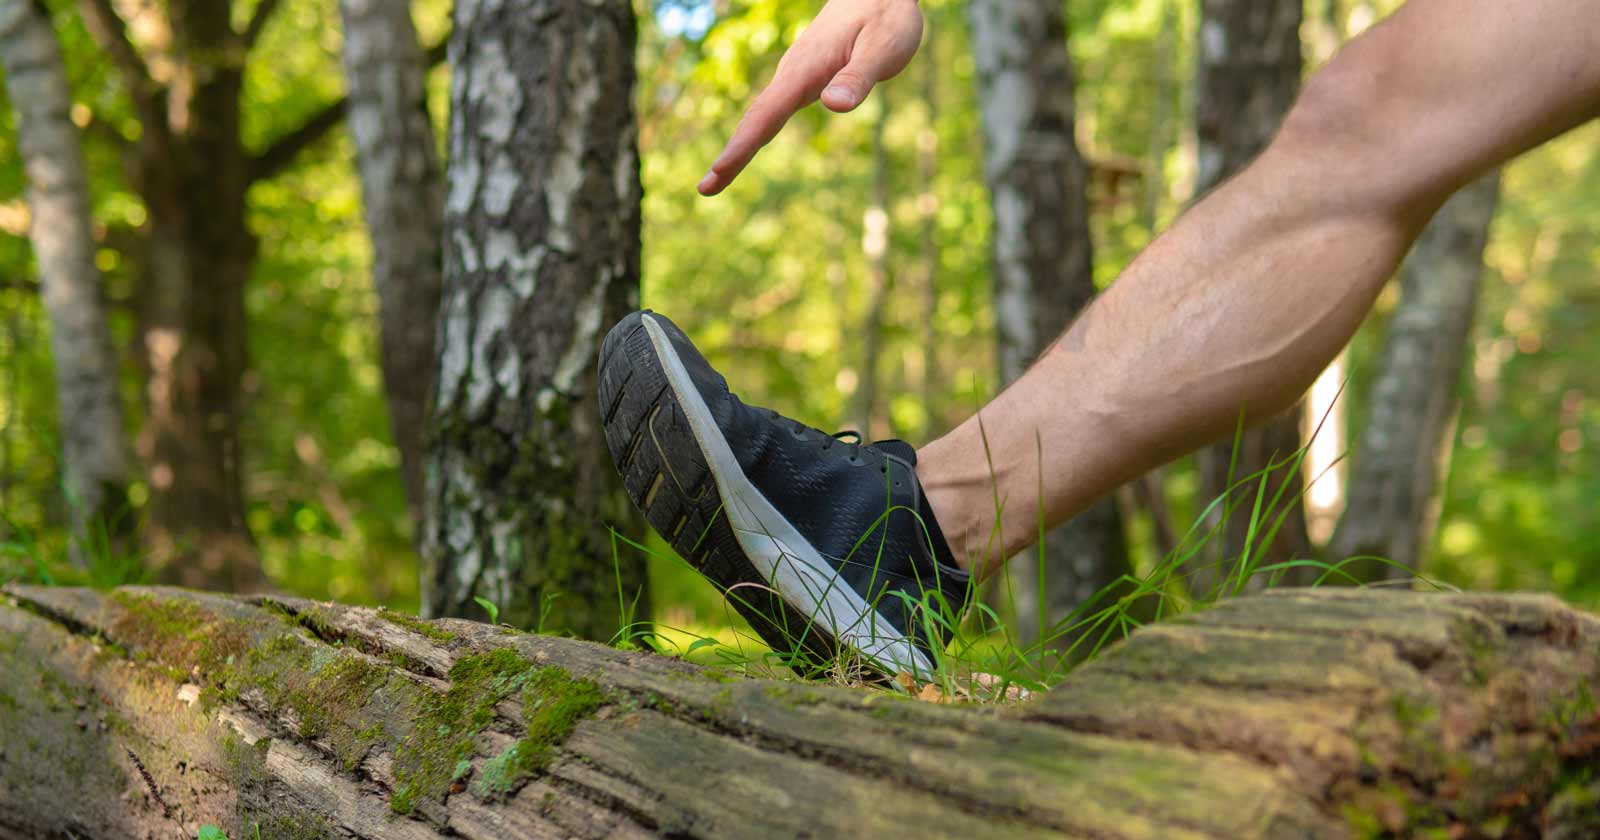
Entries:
{"x":93,"y":435}
{"x":541,"y":258}
{"x":1044,"y":269}
{"x":1399,"y":463}
{"x":403,"y":192}
{"x":928,"y":210}
{"x":875,"y":243}
{"x":1249,"y":74}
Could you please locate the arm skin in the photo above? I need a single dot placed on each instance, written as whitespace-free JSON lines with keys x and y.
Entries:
{"x":1252,"y":292}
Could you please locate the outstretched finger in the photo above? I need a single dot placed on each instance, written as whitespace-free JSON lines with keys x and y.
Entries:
{"x":764,"y":119}
{"x":792,"y":89}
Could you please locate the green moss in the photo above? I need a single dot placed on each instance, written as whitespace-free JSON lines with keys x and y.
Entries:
{"x":448,"y":725}
{"x":353,"y":702}
{"x":716,"y":675}
{"x":295,"y":827}
{"x":553,"y":703}
{"x":416,"y":625}
{"x":178,"y":632}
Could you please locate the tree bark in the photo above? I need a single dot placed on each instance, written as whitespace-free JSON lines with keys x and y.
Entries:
{"x":541,"y":258}
{"x":1330,"y":713}
{"x":1404,"y":449}
{"x":1249,"y":75}
{"x":403,"y":192}
{"x":1044,"y":269}
{"x":192,"y":173}
{"x":94,"y":448}
{"x":195,"y":174}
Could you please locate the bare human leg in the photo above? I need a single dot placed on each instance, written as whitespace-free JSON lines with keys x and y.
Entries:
{"x":1243,"y":302}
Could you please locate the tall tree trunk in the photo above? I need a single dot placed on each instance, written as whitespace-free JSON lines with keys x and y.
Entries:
{"x":541,"y":258}
{"x":93,"y":436}
{"x":1043,"y":265}
{"x":403,"y":192}
{"x":1404,"y":449}
{"x":1249,"y":74}
{"x":193,"y":174}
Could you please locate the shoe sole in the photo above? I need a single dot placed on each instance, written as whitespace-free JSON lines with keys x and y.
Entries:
{"x":680,"y":471}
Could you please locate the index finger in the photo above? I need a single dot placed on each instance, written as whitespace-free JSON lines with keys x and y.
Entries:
{"x":790,"y":90}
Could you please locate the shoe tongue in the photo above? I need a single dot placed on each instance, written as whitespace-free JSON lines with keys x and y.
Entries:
{"x":941,"y":547}
{"x":897,"y":448}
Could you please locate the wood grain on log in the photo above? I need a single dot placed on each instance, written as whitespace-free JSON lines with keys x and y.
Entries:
{"x":148,"y":712}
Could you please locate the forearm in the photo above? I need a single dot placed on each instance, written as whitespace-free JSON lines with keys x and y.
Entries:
{"x":1236,"y":309}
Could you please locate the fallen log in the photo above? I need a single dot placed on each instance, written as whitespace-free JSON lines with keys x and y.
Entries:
{"x":151,"y":712}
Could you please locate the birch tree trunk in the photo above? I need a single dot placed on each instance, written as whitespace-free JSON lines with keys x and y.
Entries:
{"x":1043,"y":265}
{"x":541,"y":258}
{"x":1297,"y":714}
{"x":403,"y":193}
{"x":94,"y":449}
{"x":1400,"y":460}
{"x":1249,"y":75}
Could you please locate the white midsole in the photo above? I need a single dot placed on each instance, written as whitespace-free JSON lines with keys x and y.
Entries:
{"x":807,"y":581}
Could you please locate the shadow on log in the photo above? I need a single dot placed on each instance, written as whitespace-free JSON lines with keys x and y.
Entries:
{"x":149,"y":712}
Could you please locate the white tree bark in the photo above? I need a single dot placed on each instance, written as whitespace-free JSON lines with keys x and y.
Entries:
{"x":541,"y":258}
{"x":1399,"y":462}
{"x":1043,"y":265}
{"x":403,"y":192}
{"x":94,"y":448}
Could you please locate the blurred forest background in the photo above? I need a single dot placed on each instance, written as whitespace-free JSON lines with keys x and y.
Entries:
{"x":866,"y":237}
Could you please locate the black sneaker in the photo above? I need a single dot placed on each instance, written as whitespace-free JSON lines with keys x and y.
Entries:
{"x":819,"y":542}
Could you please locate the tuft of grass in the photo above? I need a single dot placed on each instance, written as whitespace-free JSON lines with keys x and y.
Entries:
{"x":490,"y":608}
{"x":101,"y":558}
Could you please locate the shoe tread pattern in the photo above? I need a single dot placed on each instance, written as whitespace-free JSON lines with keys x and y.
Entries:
{"x":666,"y":476}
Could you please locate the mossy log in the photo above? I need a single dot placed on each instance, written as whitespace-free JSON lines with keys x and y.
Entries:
{"x":149,"y":712}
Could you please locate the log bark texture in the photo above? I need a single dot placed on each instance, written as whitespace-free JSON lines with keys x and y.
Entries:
{"x":1043,"y":267}
{"x":1349,"y":713}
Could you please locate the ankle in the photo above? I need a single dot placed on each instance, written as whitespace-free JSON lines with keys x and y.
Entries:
{"x":958,"y":517}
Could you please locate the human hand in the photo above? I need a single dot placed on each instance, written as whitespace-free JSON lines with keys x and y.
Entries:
{"x":849,"y":47}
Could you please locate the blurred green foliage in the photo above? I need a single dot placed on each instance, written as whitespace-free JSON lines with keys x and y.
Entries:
{"x":771,"y":278}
